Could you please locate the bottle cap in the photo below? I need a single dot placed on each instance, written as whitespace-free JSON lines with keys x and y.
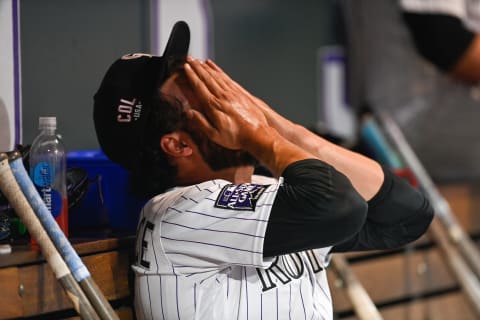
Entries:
{"x":5,"y":249}
{"x":47,"y":123}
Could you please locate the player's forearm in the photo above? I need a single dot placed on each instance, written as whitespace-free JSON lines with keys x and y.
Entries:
{"x":468,"y":67}
{"x":274,"y":151}
{"x":365,"y":174}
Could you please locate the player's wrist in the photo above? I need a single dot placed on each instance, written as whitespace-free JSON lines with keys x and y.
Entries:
{"x":259,"y":139}
{"x":275,"y":151}
{"x":284,"y":126}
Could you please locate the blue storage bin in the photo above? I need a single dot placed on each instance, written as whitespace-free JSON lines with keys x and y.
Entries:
{"x":107,"y":205}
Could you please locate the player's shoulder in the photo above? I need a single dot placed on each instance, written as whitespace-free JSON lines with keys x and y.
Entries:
{"x":203,"y":195}
{"x":180,"y":197}
{"x":204,"y":189}
{"x":260,"y":179}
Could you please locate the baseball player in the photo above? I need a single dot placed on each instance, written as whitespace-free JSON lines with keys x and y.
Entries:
{"x":216,"y":241}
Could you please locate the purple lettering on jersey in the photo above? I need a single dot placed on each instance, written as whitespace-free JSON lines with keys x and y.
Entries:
{"x":240,"y":196}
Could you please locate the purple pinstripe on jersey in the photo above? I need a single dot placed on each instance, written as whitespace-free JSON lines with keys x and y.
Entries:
{"x":290,"y":301}
{"x":213,"y":245}
{"x":213,"y":230}
{"x":195,"y":296}
{"x":303,"y":303}
{"x":150,"y":298}
{"x":228,"y":283}
{"x":261,"y":307}
{"x":276,"y":297}
{"x":246,"y":288}
{"x":161,"y":298}
{"x":155,"y":255}
{"x":189,"y":275}
{"x":176,"y":296}
{"x":217,"y":217}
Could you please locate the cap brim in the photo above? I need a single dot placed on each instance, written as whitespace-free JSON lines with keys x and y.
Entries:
{"x":179,"y":41}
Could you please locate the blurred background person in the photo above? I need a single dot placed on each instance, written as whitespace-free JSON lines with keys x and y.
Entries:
{"x":446,"y":34}
{"x":419,"y":61}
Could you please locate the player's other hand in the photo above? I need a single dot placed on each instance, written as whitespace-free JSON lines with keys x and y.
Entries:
{"x":227,"y":113}
{"x":283,"y":126}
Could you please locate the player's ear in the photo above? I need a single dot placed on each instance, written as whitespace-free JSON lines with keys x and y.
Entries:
{"x":176,"y":144}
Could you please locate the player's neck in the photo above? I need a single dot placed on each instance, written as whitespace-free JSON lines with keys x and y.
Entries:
{"x":240,"y":174}
{"x":235,"y":175}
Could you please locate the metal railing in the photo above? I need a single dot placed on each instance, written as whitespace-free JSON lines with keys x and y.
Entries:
{"x":459,"y":251}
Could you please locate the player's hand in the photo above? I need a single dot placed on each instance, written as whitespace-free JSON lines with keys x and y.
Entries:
{"x":284,"y":126}
{"x":265,"y":108}
{"x":227,"y":114}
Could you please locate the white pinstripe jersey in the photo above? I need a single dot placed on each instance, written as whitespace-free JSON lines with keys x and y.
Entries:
{"x":199,"y":256}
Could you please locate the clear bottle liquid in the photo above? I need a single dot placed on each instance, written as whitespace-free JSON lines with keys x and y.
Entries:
{"x":48,"y":170}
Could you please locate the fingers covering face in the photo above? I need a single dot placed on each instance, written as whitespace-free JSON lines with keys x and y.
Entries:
{"x":211,"y":83}
{"x":196,"y":81}
{"x":203,"y":77}
{"x":214,"y":78}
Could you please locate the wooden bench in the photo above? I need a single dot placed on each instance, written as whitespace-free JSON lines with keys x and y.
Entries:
{"x":29,"y":288}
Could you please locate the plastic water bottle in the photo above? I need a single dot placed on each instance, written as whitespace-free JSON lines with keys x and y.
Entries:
{"x":48,"y":170}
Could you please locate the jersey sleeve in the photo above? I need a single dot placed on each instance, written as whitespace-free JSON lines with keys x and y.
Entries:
{"x":216,"y":224}
{"x":316,"y":206}
{"x":452,"y":7}
{"x":468,"y":11}
{"x":397,"y":215}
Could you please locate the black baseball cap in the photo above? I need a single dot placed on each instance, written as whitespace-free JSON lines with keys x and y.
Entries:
{"x":123,"y":102}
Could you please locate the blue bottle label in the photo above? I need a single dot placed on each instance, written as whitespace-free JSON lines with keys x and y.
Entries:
{"x":43,"y":177}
